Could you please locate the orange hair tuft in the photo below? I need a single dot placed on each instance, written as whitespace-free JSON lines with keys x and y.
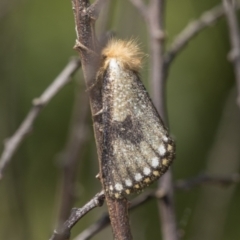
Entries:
{"x":127,"y":53}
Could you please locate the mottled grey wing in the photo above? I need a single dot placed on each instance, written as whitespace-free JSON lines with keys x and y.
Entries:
{"x":136,"y":147}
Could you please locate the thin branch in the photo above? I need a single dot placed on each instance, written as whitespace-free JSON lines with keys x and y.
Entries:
{"x":234,"y":33}
{"x":12,"y":144}
{"x":158,"y":84}
{"x":154,"y":18}
{"x":104,"y":221}
{"x":95,"y":8}
{"x":69,"y":158}
{"x":155,"y":25}
{"x":118,"y":209}
{"x":207,"y":19}
{"x":201,"y":179}
{"x":204,"y":179}
{"x":63,"y":232}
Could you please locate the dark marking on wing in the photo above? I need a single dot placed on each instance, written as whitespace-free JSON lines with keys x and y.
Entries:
{"x":127,"y":130}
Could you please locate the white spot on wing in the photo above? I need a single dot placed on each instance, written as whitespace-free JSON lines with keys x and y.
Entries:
{"x":138,"y":177}
{"x":118,"y":187}
{"x":155,"y":162}
{"x":128,"y":182}
{"x":146,"y":171}
{"x":165,"y":138}
{"x":162,"y":150}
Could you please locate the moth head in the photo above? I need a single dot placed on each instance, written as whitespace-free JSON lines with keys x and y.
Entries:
{"x":127,"y":53}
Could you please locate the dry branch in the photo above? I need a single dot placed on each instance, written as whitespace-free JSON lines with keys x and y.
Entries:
{"x":201,"y":179}
{"x":64,"y":231}
{"x":158,"y":83}
{"x":95,"y":8}
{"x":207,"y":19}
{"x":154,"y":17}
{"x":118,"y":209}
{"x":12,"y":144}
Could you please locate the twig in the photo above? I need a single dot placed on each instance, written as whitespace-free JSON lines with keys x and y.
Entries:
{"x":94,"y":10}
{"x":118,"y":209}
{"x":154,"y":18}
{"x":201,"y":179}
{"x":207,"y":19}
{"x":234,"y":33}
{"x":12,"y":144}
{"x":104,"y":221}
{"x":157,"y":38}
{"x":69,"y":158}
{"x":204,"y":179}
{"x":158,"y":82}
{"x":77,"y":213}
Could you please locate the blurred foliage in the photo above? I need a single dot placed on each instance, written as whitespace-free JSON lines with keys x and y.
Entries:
{"x":36,"y":39}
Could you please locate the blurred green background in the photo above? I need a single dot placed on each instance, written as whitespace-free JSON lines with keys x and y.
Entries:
{"x":36,"y":40}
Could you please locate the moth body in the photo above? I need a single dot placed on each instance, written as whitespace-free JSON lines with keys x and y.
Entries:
{"x":137,"y":148}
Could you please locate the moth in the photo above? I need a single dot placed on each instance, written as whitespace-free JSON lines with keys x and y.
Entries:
{"x":137,"y":148}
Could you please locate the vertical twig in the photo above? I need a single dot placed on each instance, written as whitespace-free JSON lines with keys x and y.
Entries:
{"x":118,"y":209}
{"x":157,"y":37}
{"x":154,"y":17}
{"x":158,"y":80}
{"x":234,"y":33}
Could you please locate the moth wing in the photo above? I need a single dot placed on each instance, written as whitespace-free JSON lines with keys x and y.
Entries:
{"x":136,"y":147}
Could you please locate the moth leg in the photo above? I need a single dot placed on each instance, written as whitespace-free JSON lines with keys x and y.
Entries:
{"x":98,"y":176}
{"x":92,"y":86}
{"x":98,"y":113}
